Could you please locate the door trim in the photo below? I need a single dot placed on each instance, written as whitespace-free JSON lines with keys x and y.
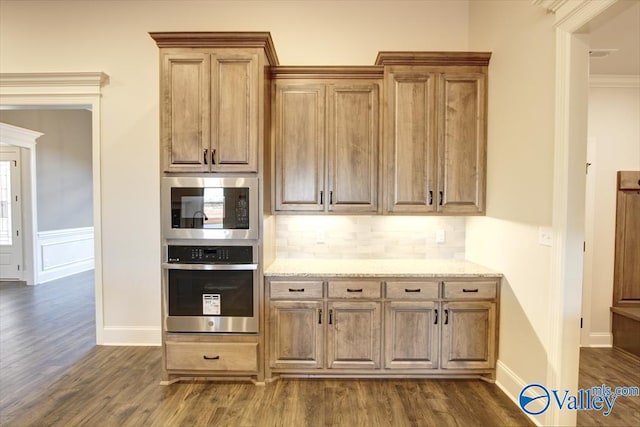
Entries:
{"x":82,"y":90}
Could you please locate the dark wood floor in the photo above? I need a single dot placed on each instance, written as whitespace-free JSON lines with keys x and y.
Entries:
{"x":52,"y":374}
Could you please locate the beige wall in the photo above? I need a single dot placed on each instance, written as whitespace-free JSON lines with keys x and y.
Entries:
{"x":519,"y":181}
{"x":63,"y":165}
{"x":112,"y":36}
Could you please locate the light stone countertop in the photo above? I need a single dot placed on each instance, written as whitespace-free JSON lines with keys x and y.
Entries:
{"x":421,"y":268}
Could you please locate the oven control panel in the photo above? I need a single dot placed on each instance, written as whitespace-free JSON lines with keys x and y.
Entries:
{"x":187,"y":254}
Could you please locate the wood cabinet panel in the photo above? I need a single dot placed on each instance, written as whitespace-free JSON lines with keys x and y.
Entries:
{"x":411,"y":335}
{"x":211,"y":356}
{"x":300,"y":126}
{"x":353,"y":147}
{"x":468,"y":335}
{"x":354,"y":289}
{"x":470,"y":290}
{"x":626,"y":287}
{"x":296,"y":289}
{"x":462,"y":143}
{"x":353,"y":335}
{"x":296,"y":334}
{"x":185,"y":112}
{"x":412,"y":290}
{"x":235,"y":111}
{"x":410,"y":141}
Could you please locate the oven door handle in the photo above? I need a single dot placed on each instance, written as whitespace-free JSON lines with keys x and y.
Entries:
{"x":174,"y":266}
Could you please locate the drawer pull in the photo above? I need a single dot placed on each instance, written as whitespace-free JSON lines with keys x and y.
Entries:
{"x":320,"y":317}
{"x":413,"y":290}
{"x":435,"y":322}
{"x":331,"y":317}
{"x":446,"y":317}
{"x":470,"y":290}
{"x":354,"y":290}
{"x":211,"y":357}
{"x":296,"y":290}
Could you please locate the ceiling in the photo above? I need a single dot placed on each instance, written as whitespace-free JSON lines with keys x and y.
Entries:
{"x":619,"y":29}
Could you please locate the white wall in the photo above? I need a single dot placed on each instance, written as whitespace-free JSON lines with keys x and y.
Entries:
{"x":519,"y":180}
{"x":614,"y":144}
{"x":112,"y":36}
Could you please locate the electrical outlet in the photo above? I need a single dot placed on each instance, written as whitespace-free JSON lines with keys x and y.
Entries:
{"x":545,"y":236}
{"x":440,"y":236}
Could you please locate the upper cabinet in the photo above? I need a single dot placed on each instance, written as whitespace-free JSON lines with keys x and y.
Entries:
{"x":213,"y":89}
{"x":327,"y":133}
{"x":435,"y":131}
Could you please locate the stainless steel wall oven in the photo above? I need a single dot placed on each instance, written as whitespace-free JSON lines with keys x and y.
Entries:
{"x":210,"y":289}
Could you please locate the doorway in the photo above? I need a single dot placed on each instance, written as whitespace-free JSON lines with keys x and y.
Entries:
{"x":75,"y":90}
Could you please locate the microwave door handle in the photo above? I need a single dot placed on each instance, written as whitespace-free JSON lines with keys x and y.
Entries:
{"x":174,"y":266}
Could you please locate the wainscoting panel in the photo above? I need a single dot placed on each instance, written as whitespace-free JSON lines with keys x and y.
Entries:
{"x":61,"y":253}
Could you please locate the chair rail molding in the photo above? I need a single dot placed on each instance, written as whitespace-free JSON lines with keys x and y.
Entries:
{"x":64,"y":89}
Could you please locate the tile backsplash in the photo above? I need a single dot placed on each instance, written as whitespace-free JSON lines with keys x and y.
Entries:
{"x":369,"y":237}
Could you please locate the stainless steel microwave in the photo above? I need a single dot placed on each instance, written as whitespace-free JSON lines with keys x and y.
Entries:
{"x":209,"y":207}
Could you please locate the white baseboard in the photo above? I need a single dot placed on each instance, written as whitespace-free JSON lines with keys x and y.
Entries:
{"x":134,"y":336}
{"x":61,"y":253}
{"x":600,"y":339}
{"x":511,"y":384}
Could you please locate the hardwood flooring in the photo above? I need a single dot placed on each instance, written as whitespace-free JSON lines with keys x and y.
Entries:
{"x":613,"y":368}
{"x":52,"y":374}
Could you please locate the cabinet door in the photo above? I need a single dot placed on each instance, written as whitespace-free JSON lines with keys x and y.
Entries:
{"x":353,"y":147}
{"x":469,"y":335}
{"x":410,"y":140}
{"x":295,"y":333}
{"x":353,"y":335}
{"x":411,"y":335}
{"x":626,"y":275}
{"x":234,"y":111}
{"x":462,"y":143}
{"x":185,"y":112}
{"x":299,"y":146}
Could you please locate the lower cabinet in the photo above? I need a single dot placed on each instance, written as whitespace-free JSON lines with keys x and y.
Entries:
{"x":204,"y":355}
{"x":377,"y":328}
{"x":353,"y":335}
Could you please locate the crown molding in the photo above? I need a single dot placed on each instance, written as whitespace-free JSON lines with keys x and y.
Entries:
{"x":18,"y":136}
{"x":550,"y":5}
{"x":247,"y":39}
{"x":571,"y":14}
{"x":82,"y":83}
{"x":433,"y":58}
{"x":614,"y":80}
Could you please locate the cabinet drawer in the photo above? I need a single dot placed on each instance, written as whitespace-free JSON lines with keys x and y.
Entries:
{"x":296,"y":290}
{"x":354,"y":289}
{"x":412,"y":290}
{"x":470,"y":290}
{"x":212,"y":356}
